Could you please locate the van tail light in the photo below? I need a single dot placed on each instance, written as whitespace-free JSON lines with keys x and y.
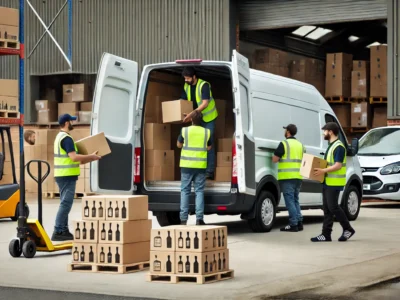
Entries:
{"x":234,"y":162}
{"x":137,"y":165}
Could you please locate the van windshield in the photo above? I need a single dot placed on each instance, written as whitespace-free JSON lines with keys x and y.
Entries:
{"x":384,"y":141}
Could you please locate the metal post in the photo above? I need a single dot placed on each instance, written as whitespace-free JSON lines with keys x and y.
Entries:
{"x":70,"y":31}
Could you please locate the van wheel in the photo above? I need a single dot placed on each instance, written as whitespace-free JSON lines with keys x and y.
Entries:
{"x":167,"y":218}
{"x":265,"y":213}
{"x":351,"y":202}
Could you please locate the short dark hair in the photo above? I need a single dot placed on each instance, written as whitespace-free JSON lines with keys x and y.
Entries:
{"x":27,"y":135}
{"x":197,"y":117}
{"x":189,"y":71}
{"x":292,"y":129}
{"x":332,"y":126}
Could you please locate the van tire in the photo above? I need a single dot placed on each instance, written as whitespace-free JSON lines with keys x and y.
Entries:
{"x":167,"y":218}
{"x":265,"y":213}
{"x":351,"y":202}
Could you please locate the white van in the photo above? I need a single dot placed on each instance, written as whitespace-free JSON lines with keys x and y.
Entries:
{"x":261,"y":104}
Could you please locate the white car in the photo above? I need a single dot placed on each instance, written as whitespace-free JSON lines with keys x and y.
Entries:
{"x":379,"y":156}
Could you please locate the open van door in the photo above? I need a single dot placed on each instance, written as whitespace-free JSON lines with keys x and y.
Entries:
{"x":114,"y":112}
{"x":244,"y":163}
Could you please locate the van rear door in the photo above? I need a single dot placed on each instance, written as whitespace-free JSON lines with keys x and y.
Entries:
{"x":114,"y":113}
{"x":244,"y":161}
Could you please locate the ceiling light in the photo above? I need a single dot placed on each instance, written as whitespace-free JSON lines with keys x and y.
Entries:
{"x":303,"y":30}
{"x":353,"y":38}
{"x":318,"y":33}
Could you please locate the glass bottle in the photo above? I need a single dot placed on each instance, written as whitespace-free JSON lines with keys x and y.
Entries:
{"x":102,"y":255}
{"x":91,"y":255}
{"x":103,"y":232}
{"x":77,"y":232}
{"x":86,"y":210}
{"x":123,"y":210}
{"x":117,"y":211}
{"x":206,"y":265}
{"x":94,"y":210}
{"x":76,"y":254}
{"x":180,"y":241}
{"x":110,"y":211}
{"x":117,"y":257}
{"x":187,"y":265}
{"x":219,"y":262}
{"x":84,"y":231}
{"x":188,"y":241}
{"x":214,"y":241}
{"x":91,"y":232}
{"x":109,"y":256}
{"x":156,"y":265}
{"x":223,"y":238}
{"x":169,"y":265}
{"x":223,"y":261}
{"x":117,"y":234}
{"x":196,"y":241}
{"x":214,"y":264}
{"x":219,"y":239}
{"x":83,"y":254}
{"x":101,"y":211}
{"x":157,"y":240}
{"x":195,"y":265}
{"x":206,"y":241}
{"x":180,"y":265}
{"x":169,"y":240}
{"x":110,"y":234}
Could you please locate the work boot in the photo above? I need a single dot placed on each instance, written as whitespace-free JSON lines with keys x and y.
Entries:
{"x":347,"y":234}
{"x":300,"y":226}
{"x":62,"y":236}
{"x":290,"y":228}
{"x":321,"y":238}
{"x":200,"y":222}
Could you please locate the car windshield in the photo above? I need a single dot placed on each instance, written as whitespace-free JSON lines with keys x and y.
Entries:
{"x":384,"y":141}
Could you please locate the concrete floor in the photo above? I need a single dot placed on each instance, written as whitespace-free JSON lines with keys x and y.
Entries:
{"x":265,"y":264}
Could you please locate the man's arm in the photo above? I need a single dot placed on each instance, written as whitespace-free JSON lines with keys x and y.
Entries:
{"x":338,"y":155}
{"x":68,"y":145}
{"x":180,"y":141}
{"x":205,"y":97}
{"x":279,"y":152}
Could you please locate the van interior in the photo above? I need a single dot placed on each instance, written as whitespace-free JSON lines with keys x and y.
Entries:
{"x":161,"y":166}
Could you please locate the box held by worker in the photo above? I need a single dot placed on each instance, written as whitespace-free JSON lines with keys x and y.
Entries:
{"x":174,"y":111}
{"x":91,"y":144}
{"x":309,"y":163}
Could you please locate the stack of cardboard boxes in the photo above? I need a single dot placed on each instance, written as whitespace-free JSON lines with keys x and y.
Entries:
{"x":311,"y":71}
{"x":114,"y":234}
{"x":188,"y":251}
{"x":272,"y":61}
{"x":9,"y":95}
{"x":75,"y":98}
{"x":338,"y":74}
{"x":360,"y":79}
{"x":223,"y":170}
{"x":9,"y":24}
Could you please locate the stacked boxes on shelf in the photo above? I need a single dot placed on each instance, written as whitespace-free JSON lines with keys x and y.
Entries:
{"x":9,"y":97}
{"x":9,"y":24}
{"x":73,"y":97}
{"x":360,"y":79}
{"x":188,"y":251}
{"x":114,"y":235}
{"x":338,"y":74}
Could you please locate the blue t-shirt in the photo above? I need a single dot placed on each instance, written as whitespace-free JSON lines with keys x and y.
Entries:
{"x":205,"y":94}
{"x":67,"y":144}
{"x":338,"y":156}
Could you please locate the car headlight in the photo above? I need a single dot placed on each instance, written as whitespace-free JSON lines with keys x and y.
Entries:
{"x":391,"y":169}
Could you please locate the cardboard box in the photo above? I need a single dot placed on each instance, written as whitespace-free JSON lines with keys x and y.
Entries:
{"x":272,"y":57}
{"x":91,"y":144}
{"x":378,"y":71}
{"x":157,"y":136}
{"x":224,"y":159}
{"x":86,"y":231}
{"x":159,"y":173}
{"x":85,"y":117}
{"x":46,"y":137}
{"x":68,"y":108}
{"x":163,"y":239}
{"x":83,"y":252}
{"x":75,"y":93}
{"x":155,"y":158}
{"x":9,"y":87}
{"x":86,"y":106}
{"x":123,"y":254}
{"x":46,"y":104}
{"x":361,"y":65}
{"x":223,"y":174}
{"x":225,"y":145}
{"x":202,"y":263}
{"x":380,"y":116}
{"x":360,"y":115}
{"x":173,"y":111}
{"x":8,"y":32}
{"x":127,"y":208}
{"x":153,"y":109}
{"x":201,"y":239}
{"x":221,"y":119}
{"x":94,"y":208}
{"x":47,"y":116}
{"x":338,"y":74}
{"x":9,"y":103}
{"x":9,"y":16}
{"x":359,"y":84}
{"x":309,"y":163}
{"x":162,"y":262}
{"x":124,"y":232}
{"x":342,"y":112}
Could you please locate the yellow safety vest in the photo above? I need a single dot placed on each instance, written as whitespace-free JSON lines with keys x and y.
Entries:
{"x":194,"y":150}
{"x":210,"y":112}
{"x":63,"y":164}
{"x":337,"y":178}
{"x":290,"y":162}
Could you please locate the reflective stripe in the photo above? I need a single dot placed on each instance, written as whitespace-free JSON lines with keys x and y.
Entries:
{"x":205,"y":138}
{"x":66,"y":166}
{"x":291,"y":160}
{"x":193,"y":158}
{"x":210,"y":111}
{"x":288,"y":170}
{"x":61,"y":155}
{"x":335,"y":176}
{"x":343,"y":164}
{"x":194,"y":148}
{"x":287,"y":148}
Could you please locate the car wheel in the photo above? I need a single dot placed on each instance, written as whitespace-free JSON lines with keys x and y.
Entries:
{"x":351,"y":202}
{"x":167,"y":218}
{"x":265,"y":213}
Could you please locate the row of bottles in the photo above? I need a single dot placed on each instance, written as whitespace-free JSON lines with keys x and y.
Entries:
{"x":109,"y":235}
{"x":216,"y":241}
{"x":81,"y":256}
{"x":99,"y":213}
{"x":78,"y":236}
{"x":158,"y":240}
{"x":102,"y":258}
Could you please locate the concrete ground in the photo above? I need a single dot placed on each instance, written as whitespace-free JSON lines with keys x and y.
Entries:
{"x":265,"y":264}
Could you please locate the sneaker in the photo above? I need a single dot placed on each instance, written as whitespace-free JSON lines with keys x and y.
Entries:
{"x":62,"y":236}
{"x":210,"y":176}
{"x":200,"y":222}
{"x":300,"y":226}
{"x":321,"y":238}
{"x":290,"y":228}
{"x":347,"y":234}
{"x":183,"y":222}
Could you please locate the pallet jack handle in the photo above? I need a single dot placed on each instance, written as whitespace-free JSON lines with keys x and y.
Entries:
{"x":39,"y":179}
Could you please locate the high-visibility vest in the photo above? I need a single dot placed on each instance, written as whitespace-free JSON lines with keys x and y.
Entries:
{"x":210,"y":112}
{"x":290,"y":162}
{"x":194,"y":150}
{"x":63,"y":164}
{"x":337,"y":178}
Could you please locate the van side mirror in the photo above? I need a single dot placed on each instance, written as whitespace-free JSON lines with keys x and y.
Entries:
{"x":353,"y":148}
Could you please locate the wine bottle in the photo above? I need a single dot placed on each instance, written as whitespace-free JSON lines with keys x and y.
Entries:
{"x":83,"y":254}
{"x":169,"y":265}
{"x":223,"y":261}
{"x":157,"y":240}
{"x":169,"y":240}
{"x":156,"y":265}
{"x":219,"y":239}
{"x":196,"y":241}
{"x":210,"y":265}
{"x":110,"y":211}
{"x":117,"y":234}
{"x":103,"y":232}
{"x":86,"y":210}
{"x":187,"y":265}
{"x":91,"y":255}
{"x":91,"y":232}
{"x":214,"y":264}
{"x":123,"y":210}
{"x":206,"y":241}
{"x":117,"y":257}
{"x":117,"y":211}
{"x":214,"y":241}
{"x":110,"y":234}
{"x":180,"y":241}
{"x":101,"y":211}
{"x":76,"y":254}
{"x":109,"y":256}
{"x":180,"y":265}
{"x":102,"y":255}
{"x":77,"y":232}
{"x":219,"y":262}
{"x":195,"y":265}
{"x":206,"y":266}
{"x":94,"y":210}
{"x":188,"y":241}
{"x":84,"y":231}
{"x":223,"y":238}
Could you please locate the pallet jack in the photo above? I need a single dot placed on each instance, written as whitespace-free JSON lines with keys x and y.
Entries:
{"x":31,"y":235}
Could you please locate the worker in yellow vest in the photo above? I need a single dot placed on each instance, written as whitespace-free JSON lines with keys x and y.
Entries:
{"x":289,"y":155}
{"x":335,"y":180}
{"x":66,"y":172}
{"x":194,"y":141}
{"x":199,"y":92}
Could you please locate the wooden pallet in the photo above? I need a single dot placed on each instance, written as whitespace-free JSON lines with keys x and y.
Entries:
{"x":338,"y":99}
{"x":122,"y":269}
{"x":52,"y":195}
{"x":199,"y":279}
{"x":358,"y":99}
{"x":82,"y":267}
{"x":9,"y":114}
{"x":9,"y":44}
{"x":375,"y":100}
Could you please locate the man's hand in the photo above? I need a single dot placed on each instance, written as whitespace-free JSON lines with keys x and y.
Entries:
{"x":319,"y":172}
{"x":94,"y":156}
{"x":188,"y":118}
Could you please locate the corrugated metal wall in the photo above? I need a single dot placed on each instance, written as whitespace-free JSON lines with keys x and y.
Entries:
{"x":394,"y":60}
{"x":268,"y":14}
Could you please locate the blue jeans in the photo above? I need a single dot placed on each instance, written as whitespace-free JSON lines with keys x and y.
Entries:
{"x":291,"y":190}
{"x":67,"y":193}
{"x":211,"y":152}
{"x":199,"y":180}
